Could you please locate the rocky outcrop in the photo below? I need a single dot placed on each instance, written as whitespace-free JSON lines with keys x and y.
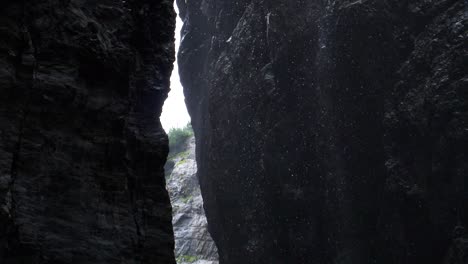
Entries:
{"x":193,"y":243}
{"x":82,"y":152}
{"x":330,"y":131}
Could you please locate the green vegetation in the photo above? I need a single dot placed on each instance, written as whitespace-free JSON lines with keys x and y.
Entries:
{"x":186,"y":258}
{"x":182,"y":161}
{"x":178,"y":136}
{"x":182,"y":155}
{"x":187,"y":199}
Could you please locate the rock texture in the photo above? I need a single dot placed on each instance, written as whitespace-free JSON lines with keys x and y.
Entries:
{"x":82,"y":152}
{"x":193,"y":243}
{"x":330,"y":131}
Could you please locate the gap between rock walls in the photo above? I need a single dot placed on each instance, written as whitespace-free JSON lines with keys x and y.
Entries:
{"x":319,"y":132}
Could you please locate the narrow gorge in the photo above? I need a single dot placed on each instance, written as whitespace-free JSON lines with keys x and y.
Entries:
{"x":325,"y":132}
{"x":193,"y":243}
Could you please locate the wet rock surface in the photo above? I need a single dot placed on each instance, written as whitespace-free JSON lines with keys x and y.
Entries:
{"x":82,"y":84}
{"x":330,"y":131}
{"x":193,"y":243}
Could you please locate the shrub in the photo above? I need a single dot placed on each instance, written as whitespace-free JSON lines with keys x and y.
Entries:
{"x":187,"y":258}
{"x":178,"y":136}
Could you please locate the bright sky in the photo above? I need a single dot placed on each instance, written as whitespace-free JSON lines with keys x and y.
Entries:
{"x":174,"y":112}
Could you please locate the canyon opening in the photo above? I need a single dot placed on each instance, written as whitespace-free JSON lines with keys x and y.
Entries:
{"x":321,"y":132}
{"x":193,"y":243}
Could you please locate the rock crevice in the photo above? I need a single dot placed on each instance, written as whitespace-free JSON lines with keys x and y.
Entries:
{"x":193,"y":243}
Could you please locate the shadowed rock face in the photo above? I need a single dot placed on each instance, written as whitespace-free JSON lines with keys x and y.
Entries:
{"x":82,"y":152}
{"x":330,"y":131}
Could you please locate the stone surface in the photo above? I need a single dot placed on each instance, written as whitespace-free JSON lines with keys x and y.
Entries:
{"x":193,"y":243}
{"x":330,"y":131}
{"x":82,"y":152}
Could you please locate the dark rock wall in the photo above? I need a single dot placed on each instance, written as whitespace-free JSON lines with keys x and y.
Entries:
{"x":330,"y":131}
{"x":82,"y":84}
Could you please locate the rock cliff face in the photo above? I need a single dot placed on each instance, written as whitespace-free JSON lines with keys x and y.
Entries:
{"x":193,"y":243}
{"x":330,"y":131}
{"x":82,"y":152}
